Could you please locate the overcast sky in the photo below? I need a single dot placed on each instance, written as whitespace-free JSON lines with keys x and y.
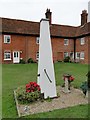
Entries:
{"x":66,"y":12}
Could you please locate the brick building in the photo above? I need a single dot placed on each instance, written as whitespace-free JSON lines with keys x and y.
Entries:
{"x":20,"y":40}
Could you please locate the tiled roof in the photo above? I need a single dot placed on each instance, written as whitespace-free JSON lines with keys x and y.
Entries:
{"x":19,"y":26}
{"x":32,"y":28}
{"x":63,"y":31}
{"x":83,"y":30}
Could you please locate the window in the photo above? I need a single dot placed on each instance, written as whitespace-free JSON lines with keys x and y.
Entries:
{"x":7,"y":55}
{"x":82,"y":41}
{"x":37,"y":40}
{"x":66,"y":41}
{"x":82,"y":55}
{"x":37,"y":56}
{"x":77,"y":55}
{"x":65,"y":54}
{"x":7,"y":38}
{"x":71,"y":55}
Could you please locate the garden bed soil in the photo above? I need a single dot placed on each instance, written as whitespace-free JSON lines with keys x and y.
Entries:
{"x":75,"y":97}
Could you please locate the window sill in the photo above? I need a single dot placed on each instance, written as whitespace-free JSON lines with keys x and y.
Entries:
{"x":82,"y":58}
{"x":78,"y":58}
{"x":7,"y":59}
{"x":82,"y":44}
{"x":65,"y":44}
{"x":7,"y":43}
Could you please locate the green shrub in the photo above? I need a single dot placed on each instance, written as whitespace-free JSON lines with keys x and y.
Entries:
{"x":27,"y":97}
{"x":67,"y":59}
{"x":30,"y":60}
{"x":84,"y":87}
{"x":88,"y":75}
{"x":22,"y":61}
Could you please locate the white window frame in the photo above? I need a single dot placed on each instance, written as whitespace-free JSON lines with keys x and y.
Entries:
{"x":37,"y":56}
{"x":67,"y":41}
{"x":72,"y":54}
{"x":6,"y":54}
{"x":82,"y":41}
{"x":6,"y":39}
{"x":77,"y":54}
{"x":82,"y":55}
{"x":37,"y":40}
{"x":67,"y":54}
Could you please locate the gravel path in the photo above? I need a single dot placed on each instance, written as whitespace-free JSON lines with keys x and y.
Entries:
{"x":75,"y":97}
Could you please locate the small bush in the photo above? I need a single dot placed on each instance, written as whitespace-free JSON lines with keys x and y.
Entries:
{"x":28,"y":94}
{"x":30,"y":60}
{"x":22,"y":61}
{"x":84,"y":87}
{"x":59,"y":61}
{"x":88,"y":77}
{"x":67,"y":59}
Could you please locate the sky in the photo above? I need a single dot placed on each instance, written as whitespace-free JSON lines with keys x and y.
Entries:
{"x":65,"y":12}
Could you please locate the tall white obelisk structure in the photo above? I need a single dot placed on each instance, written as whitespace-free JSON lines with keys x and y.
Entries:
{"x":46,"y":77}
{"x":89,"y":11}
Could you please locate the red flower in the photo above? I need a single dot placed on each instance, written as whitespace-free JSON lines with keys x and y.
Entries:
{"x":70,"y":78}
{"x":39,"y":89}
{"x":32,"y":86}
{"x":28,"y":91}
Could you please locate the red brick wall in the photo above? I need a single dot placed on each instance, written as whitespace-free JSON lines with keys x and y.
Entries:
{"x":88,"y":53}
{"x":17,"y":44}
{"x":56,"y":47}
{"x":84,"y":48}
{"x":28,"y":47}
{"x":32,"y":47}
{"x":59,"y":47}
{"x":26,"y":44}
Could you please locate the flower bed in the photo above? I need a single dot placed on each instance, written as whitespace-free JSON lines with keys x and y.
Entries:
{"x":29,"y":93}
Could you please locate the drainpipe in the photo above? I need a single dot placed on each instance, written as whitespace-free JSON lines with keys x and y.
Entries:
{"x":26,"y":49}
{"x":74,"y":49}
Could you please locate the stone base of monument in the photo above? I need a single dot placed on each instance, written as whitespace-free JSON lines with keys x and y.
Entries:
{"x":87,"y":94}
{"x":66,"y":88}
{"x":66,"y":91}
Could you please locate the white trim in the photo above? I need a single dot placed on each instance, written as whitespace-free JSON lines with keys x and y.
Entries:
{"x":76,"y":55}
{"x":37,"y":40}
{"x":67,"y":41}
{"x":66,"y":55}
{"x":6,"y":40}
{"x":37,"y":56}
{"x":7,"y":52}
{"x":81,"y":56}
{"x":7,"y":59}
{"x":72,"y":54}
{"x":82,"y":41}
{"x":16,"y":56}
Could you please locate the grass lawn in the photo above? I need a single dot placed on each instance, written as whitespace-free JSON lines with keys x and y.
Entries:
{"x":14,"y":75}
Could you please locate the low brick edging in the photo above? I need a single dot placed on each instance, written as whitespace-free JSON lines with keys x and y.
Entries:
{"x":17,"y":105}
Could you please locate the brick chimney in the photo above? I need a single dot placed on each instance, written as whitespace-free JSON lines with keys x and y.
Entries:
{"x":84,"y":17}
{"x":49,"y":15}
{"x":89,"y":11}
